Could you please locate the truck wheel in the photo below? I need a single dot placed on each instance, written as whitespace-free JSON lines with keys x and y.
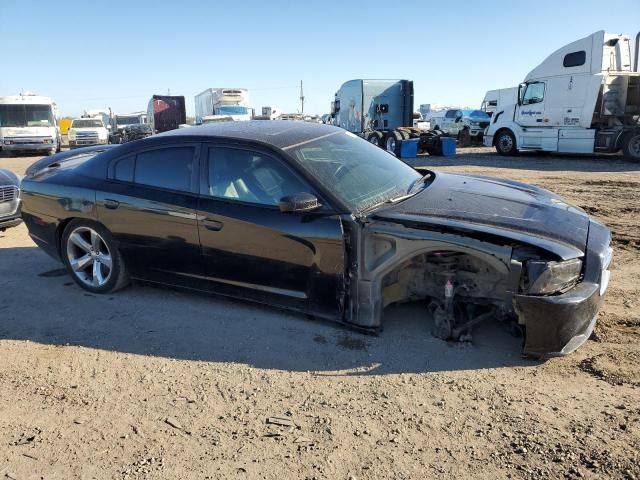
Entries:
{"x":505,"y":143}
{"x":375,"y":138}
{"x":392,"y":142}
{"x":464,"y":137}
{"x":631,"y":146}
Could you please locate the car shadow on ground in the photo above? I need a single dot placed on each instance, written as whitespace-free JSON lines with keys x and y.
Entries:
{"x":40,"y":303}
{"x":537,"y":161}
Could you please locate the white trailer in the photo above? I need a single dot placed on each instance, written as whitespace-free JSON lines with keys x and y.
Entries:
{"x":583,"y":98}
{"x":219,"y":104}
{"x":497,"y":99}
{"x":28,"y":123}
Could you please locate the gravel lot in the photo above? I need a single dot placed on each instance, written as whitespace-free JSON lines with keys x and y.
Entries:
{"x":155,"y":383}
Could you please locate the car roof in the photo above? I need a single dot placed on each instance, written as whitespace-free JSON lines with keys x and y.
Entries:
{"x":278,"y":133}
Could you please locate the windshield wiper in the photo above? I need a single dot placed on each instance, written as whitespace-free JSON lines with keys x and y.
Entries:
{"x":418,"y":181}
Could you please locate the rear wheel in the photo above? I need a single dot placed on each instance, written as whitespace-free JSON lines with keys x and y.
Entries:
{"x":375,"y":138}
{"x":631,"y":146}
{"x":92,"y":258}
{"x":505,"y":143}
{"x":392,"y":142}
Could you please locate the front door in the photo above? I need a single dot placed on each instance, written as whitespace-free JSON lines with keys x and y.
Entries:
{"x":252,"y":249}
{"x":537,"y":132}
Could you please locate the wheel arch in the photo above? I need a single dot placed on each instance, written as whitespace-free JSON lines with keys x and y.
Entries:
{"x":62,"y":226}
{"x":502,"y":129}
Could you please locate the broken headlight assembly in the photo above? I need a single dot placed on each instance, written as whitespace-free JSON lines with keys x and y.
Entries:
{"x":544,"y":278}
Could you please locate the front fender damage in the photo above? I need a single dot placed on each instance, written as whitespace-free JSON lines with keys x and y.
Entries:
{"x":463,"y":280}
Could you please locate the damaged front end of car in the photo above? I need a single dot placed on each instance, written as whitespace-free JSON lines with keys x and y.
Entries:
{"x":467,"y":275}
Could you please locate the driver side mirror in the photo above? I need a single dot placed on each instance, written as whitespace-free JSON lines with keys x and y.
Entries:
{"x":299,"y":203}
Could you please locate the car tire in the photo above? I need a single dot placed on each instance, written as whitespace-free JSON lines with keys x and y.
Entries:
{"x":631,"y":146}
{"x":464,"y":137}
{"x":505,"y":143}
{"x":92,"y":257}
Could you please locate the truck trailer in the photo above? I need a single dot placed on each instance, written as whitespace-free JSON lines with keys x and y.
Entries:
{"x":583,"y":98}
{"x":381,"y":111}
{"x":222,"y":104}
{"x":166,"y":112}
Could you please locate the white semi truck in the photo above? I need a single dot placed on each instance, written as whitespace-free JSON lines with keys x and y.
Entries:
{"x":28,"y":124}
{"x":583,"y":98}
{"x":498,"y":99}
{"x":221,"y":104}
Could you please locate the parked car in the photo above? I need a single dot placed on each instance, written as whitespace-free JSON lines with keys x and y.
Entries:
{"x":467,"y":125}
{"x":313,"y":218}
{"x":9,"y":200}
{"x":87,"y":131}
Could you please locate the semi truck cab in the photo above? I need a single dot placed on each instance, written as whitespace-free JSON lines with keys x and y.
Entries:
{"x":583,"y":98}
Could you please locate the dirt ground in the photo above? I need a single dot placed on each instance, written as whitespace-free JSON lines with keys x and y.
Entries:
{"x":160,"y":384}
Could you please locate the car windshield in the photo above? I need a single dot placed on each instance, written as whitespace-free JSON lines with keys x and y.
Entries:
{"x":477,"y":114}
{"x":87,"y":123}
{"x":134,"y":120}
{"x":360,"y":174}
{"x":232,"y":110}
{"x":26,"y":116}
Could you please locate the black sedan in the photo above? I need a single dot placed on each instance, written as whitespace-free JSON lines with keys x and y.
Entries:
{"x":9,"y":200}
{"x":313,"y":218}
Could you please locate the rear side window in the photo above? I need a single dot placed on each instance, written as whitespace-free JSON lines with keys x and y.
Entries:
{"x":123,"y":169}
{"x":575,"y":59}
{"x":168,"y":168}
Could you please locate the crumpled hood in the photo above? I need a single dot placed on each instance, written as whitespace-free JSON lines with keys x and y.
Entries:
{"x":505,"y":205}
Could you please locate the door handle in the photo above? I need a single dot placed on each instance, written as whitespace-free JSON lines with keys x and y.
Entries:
{"x":212,"y":225}
{"x":539,"y":120}
{"x":111,"y":204}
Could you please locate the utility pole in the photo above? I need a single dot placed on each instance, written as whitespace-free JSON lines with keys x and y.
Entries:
{"x":301,"y":98}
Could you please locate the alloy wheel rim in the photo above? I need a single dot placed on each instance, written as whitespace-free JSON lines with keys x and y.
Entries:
{"x":89,"y":257}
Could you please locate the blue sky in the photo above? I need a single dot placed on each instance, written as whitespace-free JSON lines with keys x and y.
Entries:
{"x":117,"y":53}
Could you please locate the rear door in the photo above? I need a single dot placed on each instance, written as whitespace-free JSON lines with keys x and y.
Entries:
{"x":149,"y":204}
{"x":251,"y":249}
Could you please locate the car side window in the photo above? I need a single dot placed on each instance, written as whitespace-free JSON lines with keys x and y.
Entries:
{"x":122,"y":169}
{"x":451,"y":114}
{"x":534,"y":93}
{"x":169,"y":168}
{"x":248,"y":176}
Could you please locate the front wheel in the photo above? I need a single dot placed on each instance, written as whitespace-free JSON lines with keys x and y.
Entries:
{"x":505,"y":143}
{"x":92,"y":258}
{"x":631,"y":146}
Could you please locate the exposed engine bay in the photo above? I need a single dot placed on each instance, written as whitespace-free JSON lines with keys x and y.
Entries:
{"x":461,"y":291}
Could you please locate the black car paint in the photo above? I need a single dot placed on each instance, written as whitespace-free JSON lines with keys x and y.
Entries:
{"x":305,"y":261}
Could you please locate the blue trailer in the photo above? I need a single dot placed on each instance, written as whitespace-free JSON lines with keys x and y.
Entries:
{"x":381,"y":111}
